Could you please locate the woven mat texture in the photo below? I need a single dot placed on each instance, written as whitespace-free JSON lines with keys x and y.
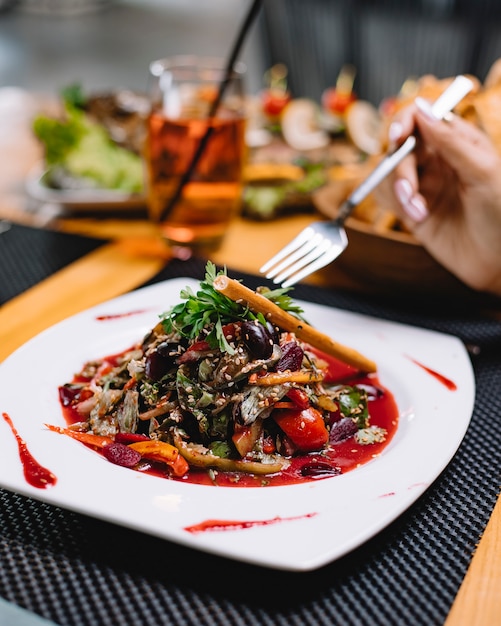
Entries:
{"x":28,"y":255}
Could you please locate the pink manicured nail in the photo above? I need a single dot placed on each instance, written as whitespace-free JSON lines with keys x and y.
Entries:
{"x":412,"y":205}
{"x":395,"y":132}
{"x":403,"y":190}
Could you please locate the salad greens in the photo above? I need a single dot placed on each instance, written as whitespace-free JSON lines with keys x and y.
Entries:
{"x":208,"y":306}
{"x":258,"y":407}
{"x":80,"y":148}
{"x":266,"y":201}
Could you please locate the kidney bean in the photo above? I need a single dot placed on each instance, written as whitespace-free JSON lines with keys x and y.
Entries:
{"x":291,"y":359}
{"x":343,"y":429}
{"x":319,"y":469}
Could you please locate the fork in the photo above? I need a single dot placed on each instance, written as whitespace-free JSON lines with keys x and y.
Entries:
{"x":322,"y":242}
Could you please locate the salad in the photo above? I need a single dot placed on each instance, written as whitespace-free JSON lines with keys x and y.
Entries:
{"x":232,"y":387}
{"x":79,"y":152}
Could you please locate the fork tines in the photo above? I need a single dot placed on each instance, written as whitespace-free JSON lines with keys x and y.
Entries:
{"x":308,"y":252}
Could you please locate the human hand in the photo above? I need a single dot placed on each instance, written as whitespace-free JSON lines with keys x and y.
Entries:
{"x":448,"y":194}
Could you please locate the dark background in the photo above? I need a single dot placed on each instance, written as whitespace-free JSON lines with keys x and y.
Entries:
{"x":387,"y":41}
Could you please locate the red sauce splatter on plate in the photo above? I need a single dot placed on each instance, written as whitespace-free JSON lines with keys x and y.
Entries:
{"x":219,"y":525}
{"x":36,"y":475}
{"x":115,"y":316}
{"x":447,"y":382}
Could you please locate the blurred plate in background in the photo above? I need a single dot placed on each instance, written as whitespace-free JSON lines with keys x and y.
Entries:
{"x":82,"y":199}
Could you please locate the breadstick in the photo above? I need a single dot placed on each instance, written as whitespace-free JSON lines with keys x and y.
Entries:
{"x":277,"y":316}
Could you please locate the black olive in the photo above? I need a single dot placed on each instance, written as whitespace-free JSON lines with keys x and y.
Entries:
{"x":168,"y":350}
{"x":161,"y":359}
{"x":273,"y":330}
{"x":257,"y":340}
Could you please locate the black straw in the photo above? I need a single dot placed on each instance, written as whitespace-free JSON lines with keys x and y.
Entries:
{"x":228,"y":73}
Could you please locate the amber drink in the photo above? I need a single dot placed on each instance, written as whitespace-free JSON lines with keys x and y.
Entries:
{"x":178,"y":122}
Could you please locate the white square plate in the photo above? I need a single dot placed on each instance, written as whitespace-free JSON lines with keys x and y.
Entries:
{"x":296,"y":527}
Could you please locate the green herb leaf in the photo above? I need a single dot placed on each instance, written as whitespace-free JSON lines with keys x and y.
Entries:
{"x":207,"y":311}
{"x":353,"y":403}
{"x":281,"y":298}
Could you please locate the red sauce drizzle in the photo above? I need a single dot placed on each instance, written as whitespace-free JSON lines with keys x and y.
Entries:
{"x":116,"y":316}
{"x":36,"y":475}
{"x":218,"y":525}
{"x":447,"y":382}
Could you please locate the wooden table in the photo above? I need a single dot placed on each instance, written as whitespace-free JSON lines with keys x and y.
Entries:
{"x":133,"y":255}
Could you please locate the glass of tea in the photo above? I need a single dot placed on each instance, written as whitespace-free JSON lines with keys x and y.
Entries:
{"x":184,"y":90}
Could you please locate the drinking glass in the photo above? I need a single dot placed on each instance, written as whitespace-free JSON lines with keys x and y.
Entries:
{"x":184,"y":89}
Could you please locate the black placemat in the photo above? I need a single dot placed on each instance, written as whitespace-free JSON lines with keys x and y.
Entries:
{"x":79,"y":571}
{"x":28,"y":255}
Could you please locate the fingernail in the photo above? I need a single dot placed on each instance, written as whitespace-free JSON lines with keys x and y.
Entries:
{"x":425,"y":107}
{"x":395,"y":132}
{"x":412,"y":205}
{"x":403,"y":190}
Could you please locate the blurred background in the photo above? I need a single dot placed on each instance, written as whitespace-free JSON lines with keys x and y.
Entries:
{"x":306,"y":152}
{"x":108,"y":44}
{"x":46,"y":44}
{"x":387,"y":41}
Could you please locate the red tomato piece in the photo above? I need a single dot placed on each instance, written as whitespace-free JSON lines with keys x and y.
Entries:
{"x":230,"y":330}
{"x":197,"y":350}
{"x":299,"y":397}
{"x":337,"y":101}
{"x":127,"y":438}
{"x":199,"y":346}
{"x":274,"y":101}
{"x":269,"y":445}
{"x":304,"y":427}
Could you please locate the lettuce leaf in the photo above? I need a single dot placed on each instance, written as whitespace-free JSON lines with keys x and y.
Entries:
{"x":83,"y":149}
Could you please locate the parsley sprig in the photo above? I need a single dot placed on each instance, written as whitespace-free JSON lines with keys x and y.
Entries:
{"x":206,"y":311}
